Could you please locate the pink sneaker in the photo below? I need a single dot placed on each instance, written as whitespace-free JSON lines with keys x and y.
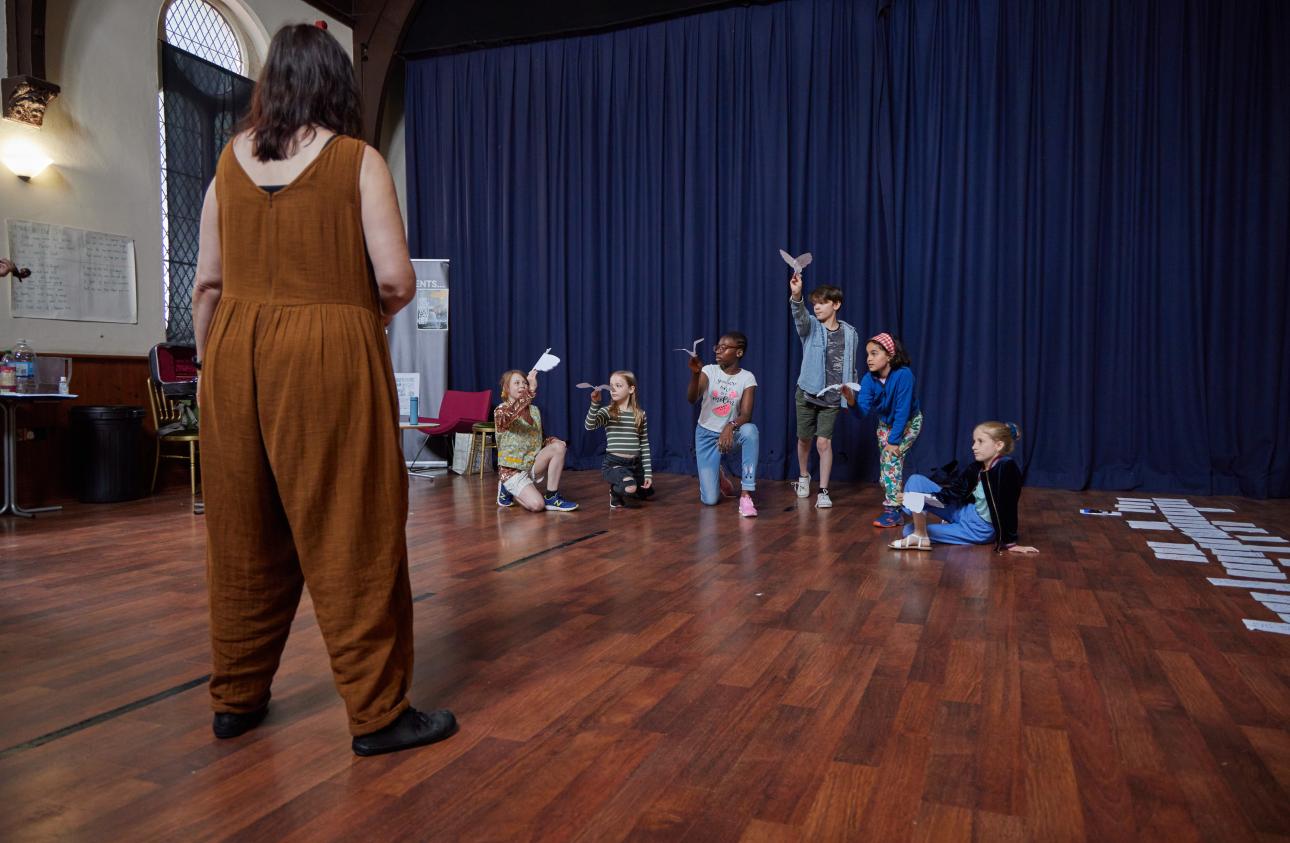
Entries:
{"x":746,"y":507}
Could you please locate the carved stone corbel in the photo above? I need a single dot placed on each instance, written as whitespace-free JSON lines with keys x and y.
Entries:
{"x":24,"y":90}
{"x":26,"y":98}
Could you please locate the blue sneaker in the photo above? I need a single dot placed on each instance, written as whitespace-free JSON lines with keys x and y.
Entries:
{"x":504,"y":498}
{"x":555,"y":503}
{"x":890,"y":517}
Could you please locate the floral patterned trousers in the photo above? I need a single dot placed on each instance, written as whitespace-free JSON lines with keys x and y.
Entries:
{"x":893,"y":465}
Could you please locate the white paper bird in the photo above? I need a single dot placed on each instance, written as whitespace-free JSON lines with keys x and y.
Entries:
{"x":855,"y":387}
{"x":918,"y":501}
{"x":798,"y":263}
{"x":603,"y":386}
{"x":546,"y":362}
{"x":693,"y":350}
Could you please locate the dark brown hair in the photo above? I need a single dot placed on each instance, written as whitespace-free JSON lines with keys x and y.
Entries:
{"x":827,"y":292}
{"x":307,"y":81}
{"x":737,"y":338}
{"x":899,"y":358}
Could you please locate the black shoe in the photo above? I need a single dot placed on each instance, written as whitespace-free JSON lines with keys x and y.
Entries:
{"x":228,"y":725}
{"x":412,"y":728}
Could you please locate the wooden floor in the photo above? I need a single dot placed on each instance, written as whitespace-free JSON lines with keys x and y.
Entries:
{"x":672,"y":673}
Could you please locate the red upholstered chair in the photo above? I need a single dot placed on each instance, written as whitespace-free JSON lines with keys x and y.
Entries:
{"x":459,"y":411}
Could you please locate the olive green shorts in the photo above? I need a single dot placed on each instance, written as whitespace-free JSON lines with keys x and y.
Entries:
{"x":814,"y":420}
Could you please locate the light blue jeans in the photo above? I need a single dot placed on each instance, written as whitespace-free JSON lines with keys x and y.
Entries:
{"x":963,"y":524}
{"x":708,"y":455}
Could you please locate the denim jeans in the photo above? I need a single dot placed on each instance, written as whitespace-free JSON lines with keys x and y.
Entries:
{"x":709,"y":456}
{"x":963,"y":525}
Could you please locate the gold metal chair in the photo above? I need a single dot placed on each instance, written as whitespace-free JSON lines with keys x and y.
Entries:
{"x":483,"y":436}
{"x":164,"y":412}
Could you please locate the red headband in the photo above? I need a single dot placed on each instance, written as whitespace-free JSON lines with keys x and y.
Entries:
{"x":321,"y":24}
{"x":886,"y":342}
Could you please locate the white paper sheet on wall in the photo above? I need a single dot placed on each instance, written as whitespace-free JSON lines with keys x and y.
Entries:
{"x":76,"y":275}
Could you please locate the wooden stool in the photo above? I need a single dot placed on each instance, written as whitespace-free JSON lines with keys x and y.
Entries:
{"x":483,"y":435}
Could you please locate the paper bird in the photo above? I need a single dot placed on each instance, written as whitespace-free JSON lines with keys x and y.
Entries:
{"x":855,"y":387}
{"x":798,"y":263}
{"x":546,"y":362}
{"x":693,"y":349}
{"x":603,"y":386}
{"x":917,"y":501}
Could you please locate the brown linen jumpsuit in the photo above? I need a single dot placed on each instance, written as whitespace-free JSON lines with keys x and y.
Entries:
{"x":301,"y":459}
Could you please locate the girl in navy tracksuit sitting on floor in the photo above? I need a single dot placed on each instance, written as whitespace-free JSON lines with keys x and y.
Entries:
{"x":979,"y":504}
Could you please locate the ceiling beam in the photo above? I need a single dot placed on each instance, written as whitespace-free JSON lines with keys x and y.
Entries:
{"x":379,"y":26}
{"x":24,"y":91}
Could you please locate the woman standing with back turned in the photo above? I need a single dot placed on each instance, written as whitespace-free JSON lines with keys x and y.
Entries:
{"x":302,"y":465}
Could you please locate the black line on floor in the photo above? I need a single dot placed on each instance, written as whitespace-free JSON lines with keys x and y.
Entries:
{"x":104,"y":717}
{"x":533,"y":556}
{"x":425,"y":596}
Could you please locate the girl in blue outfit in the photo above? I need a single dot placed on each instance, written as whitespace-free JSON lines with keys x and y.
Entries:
{"x":978,"y":504}
{"x":888,"y":390}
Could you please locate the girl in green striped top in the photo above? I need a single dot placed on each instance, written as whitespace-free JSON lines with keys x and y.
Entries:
{"x":627,"y":467}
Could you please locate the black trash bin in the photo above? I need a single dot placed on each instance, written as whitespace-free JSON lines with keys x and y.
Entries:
{"x":107,"y":441}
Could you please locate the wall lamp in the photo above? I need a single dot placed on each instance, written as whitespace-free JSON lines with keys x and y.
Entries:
{"x":24,"y":159}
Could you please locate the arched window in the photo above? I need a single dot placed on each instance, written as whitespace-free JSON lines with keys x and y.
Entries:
{"x":203,"y":93}
{"x":196,"y":27}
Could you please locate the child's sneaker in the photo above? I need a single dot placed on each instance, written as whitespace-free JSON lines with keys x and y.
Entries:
{"x":822,"y":500}
{"x":617,"y":501}
{"x":555,"y":503}
{"x":890,"y":517}
{"x":504,"y":498}
{"x":746,"y":507}
{"x":803,"y":486}
{"x":725,"y":483}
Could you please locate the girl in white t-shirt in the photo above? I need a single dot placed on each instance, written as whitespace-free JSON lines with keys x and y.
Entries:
{"x":725,"y":421}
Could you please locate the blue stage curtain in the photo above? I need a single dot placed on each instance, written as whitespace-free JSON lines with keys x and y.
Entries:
{"x":1075,"y":214}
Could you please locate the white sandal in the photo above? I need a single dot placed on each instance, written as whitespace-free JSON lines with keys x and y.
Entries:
{"x":911,"y":542}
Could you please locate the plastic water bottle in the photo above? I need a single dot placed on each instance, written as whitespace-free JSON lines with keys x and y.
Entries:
{"x":23,"y":359}
{"x":413,"y":418}
{"x":64,"y":388}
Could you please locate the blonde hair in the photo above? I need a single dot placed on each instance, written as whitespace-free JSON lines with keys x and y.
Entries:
{"x":506,"y":380}
{"x":632,"y":400}
{"x":1005,"y":432}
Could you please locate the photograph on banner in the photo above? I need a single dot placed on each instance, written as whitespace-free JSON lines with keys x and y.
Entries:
{"x":432,"y":304}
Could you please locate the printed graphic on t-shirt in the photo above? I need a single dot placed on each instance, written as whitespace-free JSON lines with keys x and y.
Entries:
{"x":724,"y":396}
{"x":721,"y":401}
